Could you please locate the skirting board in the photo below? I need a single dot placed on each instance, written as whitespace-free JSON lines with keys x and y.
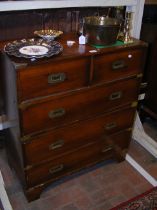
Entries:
{"x":143,"y":172}
{"x":142,"y":138}
{"x":3,"y":195}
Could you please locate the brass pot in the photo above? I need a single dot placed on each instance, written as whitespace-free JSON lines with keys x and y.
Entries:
{"x":101,"y":30}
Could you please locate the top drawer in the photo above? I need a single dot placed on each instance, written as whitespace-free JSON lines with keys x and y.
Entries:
{"x":114,"y":66}
{"x":53,"y":77}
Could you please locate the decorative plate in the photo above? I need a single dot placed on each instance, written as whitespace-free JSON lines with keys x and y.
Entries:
{"x":33,"y":48}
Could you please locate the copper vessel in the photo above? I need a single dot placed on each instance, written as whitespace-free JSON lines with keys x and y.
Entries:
{"x":101,"y":30}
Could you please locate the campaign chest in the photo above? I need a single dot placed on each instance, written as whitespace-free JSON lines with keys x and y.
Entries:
{"x":71,"y":111}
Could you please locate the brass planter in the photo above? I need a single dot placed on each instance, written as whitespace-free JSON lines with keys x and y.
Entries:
{"x":101,"y":30}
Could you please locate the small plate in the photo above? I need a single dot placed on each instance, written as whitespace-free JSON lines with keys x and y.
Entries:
{"x":33,"y":48}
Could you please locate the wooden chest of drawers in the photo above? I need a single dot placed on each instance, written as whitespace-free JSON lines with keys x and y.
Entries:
{"x":71,"y":111}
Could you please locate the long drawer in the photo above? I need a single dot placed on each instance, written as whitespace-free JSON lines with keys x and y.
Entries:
{"x":45,"y":79}
{"x":117,"y":65}
{"x":78,"y":159}
{"x":65,"y":109}
{"x":60,"y":141}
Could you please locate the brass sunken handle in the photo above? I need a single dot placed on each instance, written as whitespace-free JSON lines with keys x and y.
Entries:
{"x":115,"y":95}
{"x":56,"y":144}
{"x":110,"y":126}
{"x":56,"y":169}
{"x":56,"y":78}
{"x":106,"y":149}
{"x":56,"y":113}
{"x":119,"y":64}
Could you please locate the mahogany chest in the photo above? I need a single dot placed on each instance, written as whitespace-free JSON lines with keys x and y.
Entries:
{"x":71,"y":111}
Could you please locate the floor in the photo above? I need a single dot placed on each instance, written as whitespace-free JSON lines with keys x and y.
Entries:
{"x":98,"y":189}
{"x":140,"y":155}
{"x":147,"y":161}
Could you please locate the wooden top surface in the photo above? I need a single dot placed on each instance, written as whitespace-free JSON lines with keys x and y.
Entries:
{"x":150,"y":1}
{"x":74,"y":50}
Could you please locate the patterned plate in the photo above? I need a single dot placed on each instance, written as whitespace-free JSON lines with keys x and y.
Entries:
{"x":33,"y":48}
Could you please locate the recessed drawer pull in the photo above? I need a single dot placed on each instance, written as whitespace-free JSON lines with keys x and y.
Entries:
{"x":56,"y":78}
{"x":118,"y":64}
{"x":56,"y":113}
{"x":110,"y":126}
{"x":56,"y":169}
{"x":115,"y":95}
{"x":106,"y":149}
{"x":56,"y":145}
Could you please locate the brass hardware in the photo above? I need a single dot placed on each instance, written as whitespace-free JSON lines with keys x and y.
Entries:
{"x":143,"y":85}
{"x":139,"y":75}
{"x":19,"y":65}
{"x":118,"y":65}
{"x":24,"y":106}
{"x":56,"y":78}
{"x":27,"y":178}
{"x":115,"y":95}
{"x":110,"y":126}
{"x":129,"y":129}
{"x":25,"y":138}
{"x":28,"y":167}
{"x":106,"y":149}
{"x":56,"y":169}
{"x":134,"y":104}
{"x":56,"y":145}
{"x":35,"y":187}
{"x":56,"y":113}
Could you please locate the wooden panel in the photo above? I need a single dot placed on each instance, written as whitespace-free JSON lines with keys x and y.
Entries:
{"x":151,"y":2}
{"x":78,"y":159}
{"x":77,"y":106}
{"x":60,"y":141}
{"x":117,"y":65}
{"x":54,"y":77}
{"x":22,"y":24}
{"x":19,"y":24}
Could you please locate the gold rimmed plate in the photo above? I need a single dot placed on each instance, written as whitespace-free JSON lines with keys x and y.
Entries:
{"x":33,"y":48}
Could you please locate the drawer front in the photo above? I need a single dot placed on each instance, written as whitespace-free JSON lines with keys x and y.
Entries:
{"x":45,"y":79}
{"x":77,"y":106}
{"x":77,"y":160}
{"x":60,"y":141}
{"x":117,"y":65}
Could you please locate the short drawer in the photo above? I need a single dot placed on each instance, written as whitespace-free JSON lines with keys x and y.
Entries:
{"x":54,"y":77}
{"x":79,"y":159}
{"x":61,"y":141}
{"x":67,"y":109}
{"x":117,"y":65}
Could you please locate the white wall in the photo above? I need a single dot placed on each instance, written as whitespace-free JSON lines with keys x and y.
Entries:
{"x":18,"y":5}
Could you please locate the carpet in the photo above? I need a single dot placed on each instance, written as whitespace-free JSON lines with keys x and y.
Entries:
{"x":145,"y":201}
